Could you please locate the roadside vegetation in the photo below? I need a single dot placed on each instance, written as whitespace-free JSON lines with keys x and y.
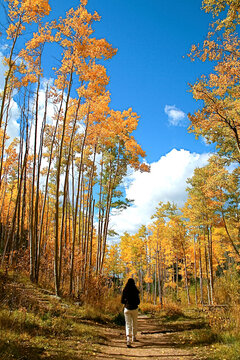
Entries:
{"x":35,"y":324}
{"x":214,"y":330}
{"x":62,"y":176}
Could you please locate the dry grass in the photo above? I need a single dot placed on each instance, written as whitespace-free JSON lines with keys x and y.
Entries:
{"x":34,"y":324}
{"x":169,"y":310}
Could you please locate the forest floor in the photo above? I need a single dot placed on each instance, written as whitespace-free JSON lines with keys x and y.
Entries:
{"x":35,"y":325}
{"x":156,"y":340}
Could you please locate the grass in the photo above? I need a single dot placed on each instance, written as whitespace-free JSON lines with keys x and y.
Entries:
{"x":35,"y":325}
{"x":26,"y":335}
{"x":224,"y":322}
{"x":227,"y":351}
{"x":213,"y":335}
{"x":226,"y":347}
{"x":189,"y":327}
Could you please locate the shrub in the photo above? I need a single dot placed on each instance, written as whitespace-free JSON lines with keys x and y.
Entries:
{"x":227,"y":288}
{"x":148,"y":308}
{"x":173,"y":311}
{"x":119,"y":319}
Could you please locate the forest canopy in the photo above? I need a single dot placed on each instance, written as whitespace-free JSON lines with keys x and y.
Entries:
{"x":62,"y":174}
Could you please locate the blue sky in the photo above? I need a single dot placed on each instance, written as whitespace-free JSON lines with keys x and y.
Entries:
{"x":149,"y":71}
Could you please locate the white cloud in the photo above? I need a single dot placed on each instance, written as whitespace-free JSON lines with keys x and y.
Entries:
{"x":176,"y":117}
{"x":13,"y":124}
{"x":165,"y":182}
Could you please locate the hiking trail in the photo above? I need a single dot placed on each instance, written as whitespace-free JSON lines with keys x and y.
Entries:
{"x":153,"y":343}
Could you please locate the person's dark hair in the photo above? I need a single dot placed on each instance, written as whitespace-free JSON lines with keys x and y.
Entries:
{"x":130,"y":286}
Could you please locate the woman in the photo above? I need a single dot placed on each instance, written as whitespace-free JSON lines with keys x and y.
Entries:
{"x":130,"y":299}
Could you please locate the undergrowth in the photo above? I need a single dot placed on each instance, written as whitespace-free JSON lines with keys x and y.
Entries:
{"x":35,"y":324}
{"x":212,"y":331}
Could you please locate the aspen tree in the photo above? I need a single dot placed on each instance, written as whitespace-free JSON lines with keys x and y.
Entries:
{"x":218,"y":118}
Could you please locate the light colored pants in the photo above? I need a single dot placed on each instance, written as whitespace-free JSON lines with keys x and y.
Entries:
{"x":131,"y":321}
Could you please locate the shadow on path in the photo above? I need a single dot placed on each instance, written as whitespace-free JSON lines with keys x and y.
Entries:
{"x":153,"y":343}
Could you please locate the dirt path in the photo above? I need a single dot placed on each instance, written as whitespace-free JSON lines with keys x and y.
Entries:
{"x":153,"y":343}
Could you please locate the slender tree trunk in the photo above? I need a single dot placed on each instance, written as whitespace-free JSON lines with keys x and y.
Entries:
{"x":177,"y":276}
{"x":24,"y":195}
{"x":229,"y":236}
{"x":37,"y":237}
{"x":3,"y":139}
{"x":80,"y":193}
{"x":159,"y":275}
{"x":185,"y":274}
{"x":9,"y":72}
{"x":10,"y":236}
{"x":58,"y":249}
{"x":105,"y":229}
{"x":155,"y":280}
{"x":207,"y":275}
{"x":65,"y":192}
{"x":6,"y":231}
{"x":2,"y":225}
{"x":195,"y":270}
{"x":210,"y":263}
{"x":100,"y":221}
{"x":33,"y":210}
{"x":111,"y":186}
{"x":91,"y":240}
{"x":48,"y":174}
{"x":200,"y":271}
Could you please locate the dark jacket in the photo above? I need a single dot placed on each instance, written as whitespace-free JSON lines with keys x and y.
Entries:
{"x":130,"y":298}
